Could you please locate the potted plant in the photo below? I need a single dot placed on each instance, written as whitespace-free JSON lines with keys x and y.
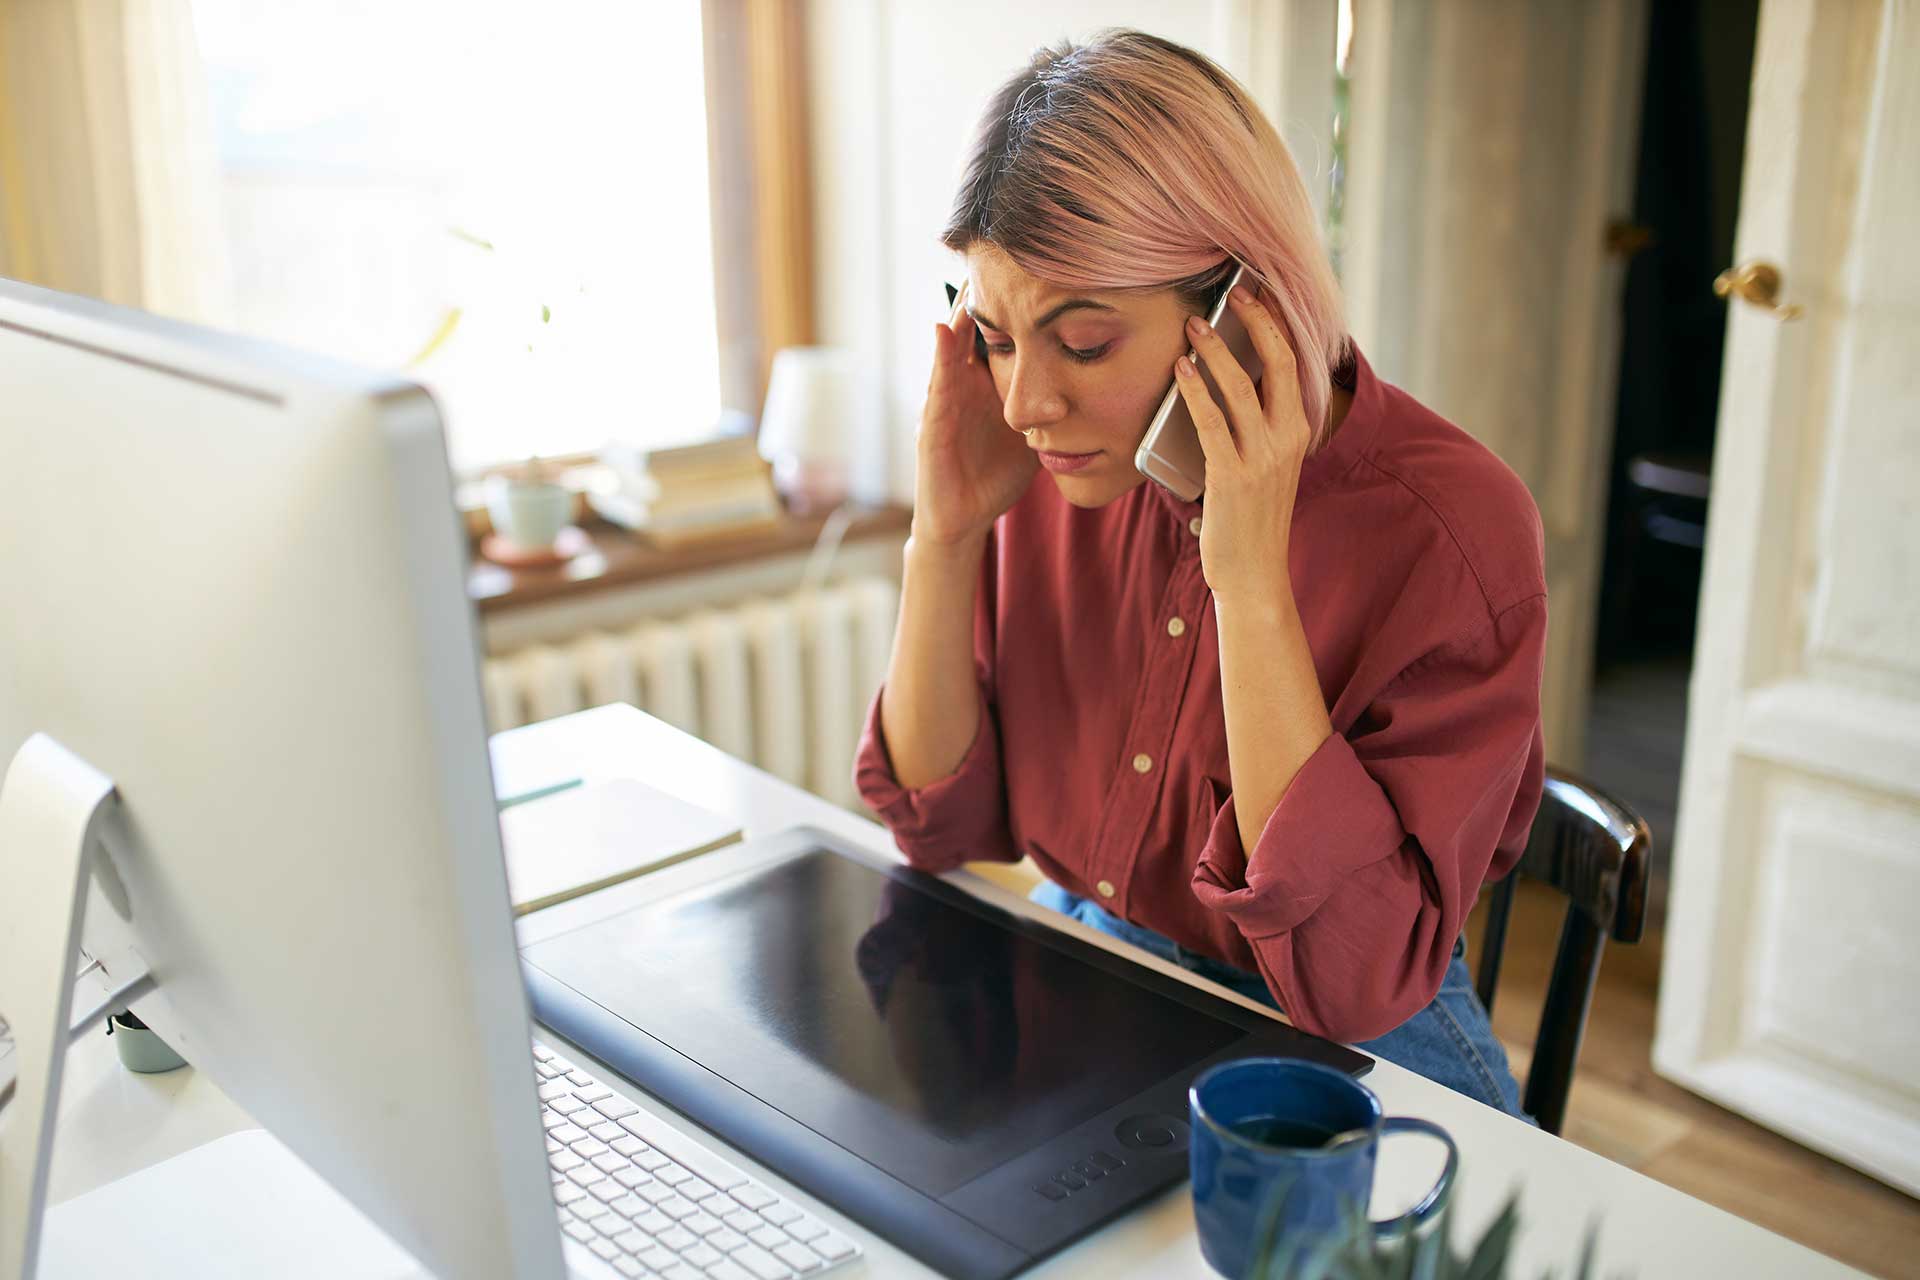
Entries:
{"x":1361,"y":1253}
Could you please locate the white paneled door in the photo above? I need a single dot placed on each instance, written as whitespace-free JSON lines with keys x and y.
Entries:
{"x":1791,"y":987}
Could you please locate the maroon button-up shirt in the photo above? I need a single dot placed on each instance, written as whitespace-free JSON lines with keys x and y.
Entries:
{"x":1418,"y":569}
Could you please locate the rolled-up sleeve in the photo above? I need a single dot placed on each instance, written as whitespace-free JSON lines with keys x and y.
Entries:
{"x":952,"y":820}
{"x":1362,"y":878}
{"x":962,"y":817}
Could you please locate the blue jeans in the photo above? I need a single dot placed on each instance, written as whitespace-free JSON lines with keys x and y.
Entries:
{"x":1450,"y":1041}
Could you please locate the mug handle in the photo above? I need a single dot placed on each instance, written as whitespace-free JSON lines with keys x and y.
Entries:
{"x":1436,"y":1198}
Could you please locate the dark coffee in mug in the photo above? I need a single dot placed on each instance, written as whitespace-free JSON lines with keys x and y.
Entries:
{"x":1280,"y":1131}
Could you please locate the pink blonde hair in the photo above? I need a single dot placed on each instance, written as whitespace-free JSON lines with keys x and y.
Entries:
{"x":1131,"y":162}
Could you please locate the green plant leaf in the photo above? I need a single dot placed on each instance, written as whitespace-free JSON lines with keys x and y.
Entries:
{"x":1488,"y":1261}
{"x":546,"y":314}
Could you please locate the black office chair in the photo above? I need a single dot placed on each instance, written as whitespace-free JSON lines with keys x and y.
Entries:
{"x":1596,"y":851}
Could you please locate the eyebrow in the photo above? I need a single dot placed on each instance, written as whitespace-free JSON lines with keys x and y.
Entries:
{"x":1071,"y":304}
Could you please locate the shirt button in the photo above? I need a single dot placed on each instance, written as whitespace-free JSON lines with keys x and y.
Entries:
{"x":1106,"y":888}
{"x":1142,"y":762}
{"x":1176,"y":627}
{"x":1193,"y":526}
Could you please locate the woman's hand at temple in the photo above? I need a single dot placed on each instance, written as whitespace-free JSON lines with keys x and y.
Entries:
{"x":973,"y":466}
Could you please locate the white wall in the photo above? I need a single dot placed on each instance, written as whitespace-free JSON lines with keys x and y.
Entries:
{"x":898,"y":89}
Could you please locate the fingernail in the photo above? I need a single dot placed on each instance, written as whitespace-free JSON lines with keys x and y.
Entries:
{"x":1244,"y":294}
{"x":1184,"y":366}
{"x":1196,"y":324}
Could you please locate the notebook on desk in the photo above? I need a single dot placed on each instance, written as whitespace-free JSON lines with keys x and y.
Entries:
{"x":587,"y":838}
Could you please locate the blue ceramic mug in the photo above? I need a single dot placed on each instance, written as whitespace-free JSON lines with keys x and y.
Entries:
{"x":1282,"y":1156}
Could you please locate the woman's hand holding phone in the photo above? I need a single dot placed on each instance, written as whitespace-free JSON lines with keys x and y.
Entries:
{"x":1253,"y":449}
{"x":972,"y":465}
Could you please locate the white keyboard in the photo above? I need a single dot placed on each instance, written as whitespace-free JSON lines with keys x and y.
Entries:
{"x":652,"y":1202}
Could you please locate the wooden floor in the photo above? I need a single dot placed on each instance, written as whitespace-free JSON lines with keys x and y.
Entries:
{"x":1621,"y":1110}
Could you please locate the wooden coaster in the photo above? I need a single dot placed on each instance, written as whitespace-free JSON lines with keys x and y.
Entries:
{"x":567,"y":544}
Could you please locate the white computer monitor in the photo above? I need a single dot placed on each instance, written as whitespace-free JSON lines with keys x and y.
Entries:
{"x":231,"y":581}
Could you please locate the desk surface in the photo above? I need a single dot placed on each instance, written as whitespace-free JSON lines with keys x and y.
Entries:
{"x":113,"y":1123}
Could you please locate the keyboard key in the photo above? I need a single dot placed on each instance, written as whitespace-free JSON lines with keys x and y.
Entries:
{"x":626,"y":1144}
{"x":563,"y":1160}
{"x":677,"y":1207}
{"x":767,"y":1237}
{"x":561,"y":1063}
{"x":677,"y":1238}
{"x":672,"y":1174}
{"x":719,"y":1204}
{"x":554,"y":1089}
{"x":631,"y":1177}
{"x":695,"y":1189}
{"x":580,"y":1078}
{"x":590,"y":1092}
{"x":742,"y":1220}
{"x":635,"y":1125}
{"x":651,"y":1161}
{"x":632,"y":1241}
{"x":709,"y":1167}
{"x":658,"y":1258}
{"x":628,"y":1267}
{"x":580,"y":1231}
{"x":609,"y":1225}
{"x":655,"y":1192}
{"x":606,"y":1190}
{"x":629,"y":1206}
{"x":546,"y":1070}
{"x":780,"y":1214}
{"x":703,"y":1256}
{"x":609,"y":1162}
{"x":587,"y":1148}
{"x":604,"y":1248}
{"x":566,"y":1193}
{"x":568,"y":1134}
{"x":728,"y":1269}
{"x":542,"y":1054}
{"x":726,"y":1240}
{"x":804,"y":1229}
{"x":586,"y":1175}
{"x":761,"y":1263}
{"x":799,"y":1257}
{"x":754,"y":1197}
{"x":681,"y":1271}
{"x":566,"y":1106}
{"x":832,"y":1247}
{"x":615,"y":1108}
{"x":702,"y":1224}
{"x":551,"y":1120}
{"x":608,"y":1132}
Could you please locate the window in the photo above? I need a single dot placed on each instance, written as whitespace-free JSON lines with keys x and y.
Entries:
{"x":511,"y":202}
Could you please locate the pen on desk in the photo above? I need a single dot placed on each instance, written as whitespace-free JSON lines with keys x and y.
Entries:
{"x":538,"y":793}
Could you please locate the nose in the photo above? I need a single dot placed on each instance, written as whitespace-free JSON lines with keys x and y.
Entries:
{"x":1031,"y":401}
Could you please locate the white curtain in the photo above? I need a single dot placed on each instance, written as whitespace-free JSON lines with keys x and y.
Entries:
{"x":108,"y":179}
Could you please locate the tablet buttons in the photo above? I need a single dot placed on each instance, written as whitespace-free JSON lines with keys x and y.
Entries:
{"x":1069,"y":1180}
{"x":1148,"y":1133}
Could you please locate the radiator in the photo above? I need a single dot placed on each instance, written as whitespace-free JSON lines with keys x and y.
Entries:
{"x":783,"y":683}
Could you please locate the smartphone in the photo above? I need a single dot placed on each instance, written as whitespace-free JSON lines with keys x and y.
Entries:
{"x":979,"y":343}
{"x":1169,"y":452}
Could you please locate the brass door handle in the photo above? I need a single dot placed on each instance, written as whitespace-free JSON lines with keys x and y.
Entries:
{"x":1756,"y":283}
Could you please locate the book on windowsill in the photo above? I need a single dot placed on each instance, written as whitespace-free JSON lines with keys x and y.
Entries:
{"x":578,"y":841}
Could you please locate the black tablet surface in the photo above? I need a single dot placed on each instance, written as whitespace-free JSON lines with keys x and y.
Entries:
{"x":976,"y":1087}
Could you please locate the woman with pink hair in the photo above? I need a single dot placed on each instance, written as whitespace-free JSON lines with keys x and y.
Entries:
{"x":1280,"y":735}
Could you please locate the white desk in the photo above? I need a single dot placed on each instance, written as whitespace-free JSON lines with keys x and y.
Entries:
{"x":113,"y":1123}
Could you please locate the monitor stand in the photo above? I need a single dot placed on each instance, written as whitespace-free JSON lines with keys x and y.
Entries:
{"x":57,"y":813}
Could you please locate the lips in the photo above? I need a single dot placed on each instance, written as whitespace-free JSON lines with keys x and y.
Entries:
{"x":1065,"y":463}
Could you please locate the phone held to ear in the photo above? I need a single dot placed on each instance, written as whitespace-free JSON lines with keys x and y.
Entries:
{"x":1170,"y":453}
{"x":979,"y":343}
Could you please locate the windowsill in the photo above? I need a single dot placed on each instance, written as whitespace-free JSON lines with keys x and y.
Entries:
{"x":617,"y":558}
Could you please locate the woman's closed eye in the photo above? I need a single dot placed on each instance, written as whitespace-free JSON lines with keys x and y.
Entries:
{"x":1084,"y":355}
